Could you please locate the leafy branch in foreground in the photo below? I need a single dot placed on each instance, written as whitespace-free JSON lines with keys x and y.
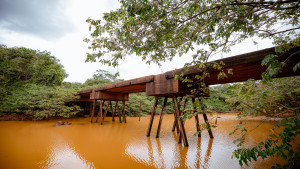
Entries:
{"x":281,"y":144}
{"x":276,"y":98}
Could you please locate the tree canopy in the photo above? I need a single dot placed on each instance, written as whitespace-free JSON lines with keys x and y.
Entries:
{"x":159,"y":30}
{"x":31,"y":83}
{"x":23,"y":65}
{"x":101,"y":77}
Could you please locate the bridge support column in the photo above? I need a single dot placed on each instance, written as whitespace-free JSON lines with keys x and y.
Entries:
{"x":124,"y":115}
{"x":209,"y":128}
{"x":196,"y":118}
{"x":161,"y":117}
{"x":105,"y":112}
{"x":92,"y":96}
{"x":180,"y":123}
{"x":100,"y":113}
{"x":93,"y":110}
{"x":175,"y":125}
{"x":118,"y":110}
{"x":152,"y":117}
{"x":185,"y":101}
{"x":207,"y":123}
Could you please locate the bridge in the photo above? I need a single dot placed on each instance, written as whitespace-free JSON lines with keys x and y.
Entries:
{"x":244,"y":67}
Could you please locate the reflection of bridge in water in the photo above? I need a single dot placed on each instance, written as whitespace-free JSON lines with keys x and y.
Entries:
{"x":165,"y":155}
{"x":164,"y":85}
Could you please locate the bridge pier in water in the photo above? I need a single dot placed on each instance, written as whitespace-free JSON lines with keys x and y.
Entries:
{"x":178,"y":122}
{"x":165,"y":85}
{"x":109,"y":97}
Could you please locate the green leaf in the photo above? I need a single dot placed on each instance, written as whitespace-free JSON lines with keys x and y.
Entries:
{"x":296,"y":67}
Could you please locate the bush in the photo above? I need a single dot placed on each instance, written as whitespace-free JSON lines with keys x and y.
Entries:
{"x":217,"y":101}
{"x":41,"y":102}
{"x":271,"y":98}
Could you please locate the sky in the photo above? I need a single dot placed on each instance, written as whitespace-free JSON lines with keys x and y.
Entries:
{"x":59,"y":27}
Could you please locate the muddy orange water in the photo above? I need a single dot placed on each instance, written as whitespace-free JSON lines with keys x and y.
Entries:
{"x":29,"y":145}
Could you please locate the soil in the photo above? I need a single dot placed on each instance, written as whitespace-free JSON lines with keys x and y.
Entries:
{"x":14,"y":117}
{"x":23,"y":117}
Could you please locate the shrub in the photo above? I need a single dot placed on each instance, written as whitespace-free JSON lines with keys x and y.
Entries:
{"x":41,"y":102}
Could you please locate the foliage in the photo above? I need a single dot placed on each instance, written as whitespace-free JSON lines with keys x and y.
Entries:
{"x":273,"y":98}
{"x":159,"y":30}
{"x":40,"y":102}
{"x":218,"y":98}
{"x":72,"y":85}
{"x":100,"y":78}
{"x":133,"y":105}
{"x":276,"y":98}
{"x":31,"y":83}
{"x":280,"y":144}
{"x":19,"y":66}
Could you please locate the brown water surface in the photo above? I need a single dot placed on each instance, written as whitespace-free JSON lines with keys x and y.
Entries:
{"x":30,"y":145}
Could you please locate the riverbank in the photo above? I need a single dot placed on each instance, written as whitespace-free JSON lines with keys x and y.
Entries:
{"x":24,"y":117}
{"x":14,"y":117}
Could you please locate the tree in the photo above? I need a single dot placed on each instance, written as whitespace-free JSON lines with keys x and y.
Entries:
{"x":19,"y":66}
{"x":159,"y":30}
{"x":30,"y":83}
{"x":101,"y":77}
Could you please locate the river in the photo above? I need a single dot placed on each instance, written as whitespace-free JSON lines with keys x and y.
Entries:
{"x":40,"y":144}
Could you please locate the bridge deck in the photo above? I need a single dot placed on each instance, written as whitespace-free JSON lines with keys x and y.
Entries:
{"x":244,"y":66}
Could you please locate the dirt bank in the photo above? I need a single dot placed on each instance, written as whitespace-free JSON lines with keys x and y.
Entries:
{"x":14,"y":117}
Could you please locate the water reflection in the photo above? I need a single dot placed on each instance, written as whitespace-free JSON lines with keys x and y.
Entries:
{"x":163,"y":153}
{"x":62,"y":155}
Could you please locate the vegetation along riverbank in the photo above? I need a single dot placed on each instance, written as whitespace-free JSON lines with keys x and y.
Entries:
{"x":32,"y":88}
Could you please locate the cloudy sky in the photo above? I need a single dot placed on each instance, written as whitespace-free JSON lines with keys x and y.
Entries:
{"x":59,"y":26}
